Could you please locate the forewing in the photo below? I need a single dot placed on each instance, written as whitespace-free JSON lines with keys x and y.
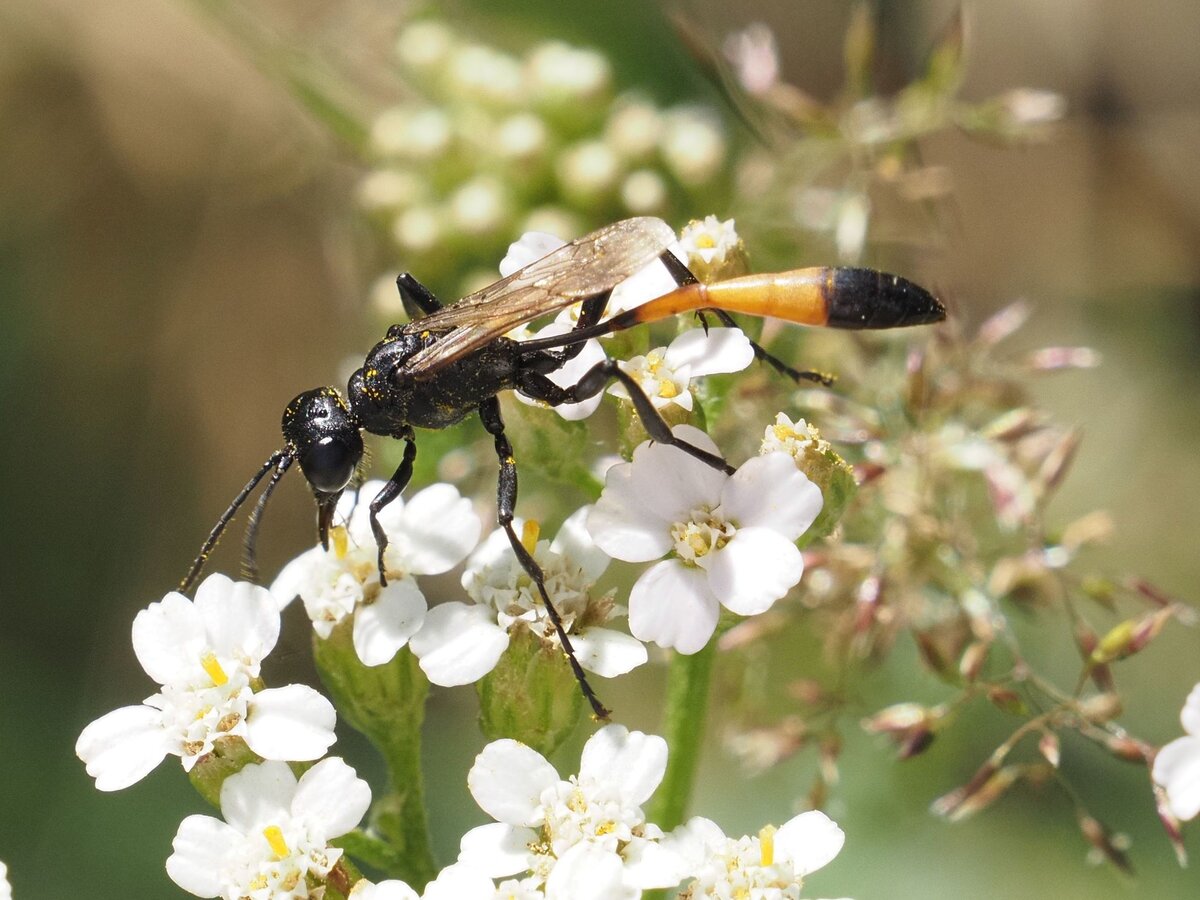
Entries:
{"x":592,"y":264}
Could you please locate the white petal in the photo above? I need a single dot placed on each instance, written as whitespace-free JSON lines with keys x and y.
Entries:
{"x":392,"y":889}
{"x":437,"y":529}
{"x":529,"y":247}
{"x":754,"y":570}
{"x":290,"y":723}
{"x":332,"y":794}
{"x":459,"y":883}
{"x":507,"y":781}
{"x":496,"y":849}
{"x":589,"y":872}
{"x":652,"y":281}
{"x":771,"y":492}
{"x":168,"y":638}
{"x":1177,"y":771}
{"x":810,"y":840}
{"x":295,"y":577}
{"x":383,"y":627}
{"x":1190,"y":715}
{"x":122,"y":747}
{"x":671,"y":605}
{"x":574,"y":542}
{"x":721,"y":350}
{"x":241,"y":620}
{"x":608,"y":653}
{"x":258,"y":795}
{"x":631,"y":762}
{"x":650,"y":864}
{"x":459,"y":643}
{"x":201,"y":846}
{"x":622,"y":526}
{"x":354,"y":509}
{"x":672,"y":483}
{"x":695,"y":842}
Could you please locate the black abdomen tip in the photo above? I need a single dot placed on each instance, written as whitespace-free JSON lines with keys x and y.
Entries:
{"x":866,"y":298}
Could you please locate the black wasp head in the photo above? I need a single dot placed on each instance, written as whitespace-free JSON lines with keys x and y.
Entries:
{"x":326,"y":440}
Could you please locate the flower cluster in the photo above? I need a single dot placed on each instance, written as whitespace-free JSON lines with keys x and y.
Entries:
{"x":498,"y":144}
{"x":206,"y":655}
{"x":861,"y":146}
{"x":587,"y":836}
{"x":429,"y":534}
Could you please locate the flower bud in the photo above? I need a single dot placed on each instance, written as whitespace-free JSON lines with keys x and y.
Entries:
{"x":531,"y":695}
{"x":820,"y":462}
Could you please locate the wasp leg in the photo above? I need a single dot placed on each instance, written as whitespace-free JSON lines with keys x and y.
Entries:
{"x":418,"y":300}
{"x":683,"y":275}
{"x":822,"y":378}
{"x":593,"y":382}
{"x":547,"y":361}
{"x":506,"y":501}
{"x":250,"y":540}
{"x":397,"y":483}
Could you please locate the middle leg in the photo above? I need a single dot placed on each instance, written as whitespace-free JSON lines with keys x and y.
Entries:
{"x":506,"y":501}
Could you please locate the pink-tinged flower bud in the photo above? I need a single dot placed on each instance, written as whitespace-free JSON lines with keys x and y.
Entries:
{"x":1128,"y":748}
{"x":1108,"y":844}
{"x":1101,"y":708}
{"x":1050,"y":747}
{"x":1171,"y":825}
{"x":910,"y":725}
{"x":973,"y":658}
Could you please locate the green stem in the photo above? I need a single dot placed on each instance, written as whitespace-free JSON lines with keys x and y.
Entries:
{"x":687,"y":712}
{"x":387,"y":704}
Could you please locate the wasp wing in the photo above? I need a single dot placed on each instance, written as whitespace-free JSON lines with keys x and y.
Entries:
{"x":590,"y":265}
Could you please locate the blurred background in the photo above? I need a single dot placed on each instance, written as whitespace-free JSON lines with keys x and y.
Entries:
{"x":183,"y":249}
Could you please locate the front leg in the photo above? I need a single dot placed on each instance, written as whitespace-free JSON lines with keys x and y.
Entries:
{"x":397,"y":483}
{"x":506,"y":501}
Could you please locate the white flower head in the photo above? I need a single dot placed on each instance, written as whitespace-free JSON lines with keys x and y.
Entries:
{"x":583,"y":837}
{"x":5,"y":887}
{"x":665,"y":373}
{"x":1177,"y":765}
{"x":274,"y":842}
{"x":798,"y":439}
{"x":429,"y":534}
{"x":771,"y":866}
{"x":205,"y":654}
{"x":455,"y":882}
{"x":730,"y":538}
{"x":710,"y":244}
{"x":461,"y":642}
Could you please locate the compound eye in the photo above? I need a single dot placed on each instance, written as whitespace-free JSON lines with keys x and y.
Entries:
{"x":329,"y":463}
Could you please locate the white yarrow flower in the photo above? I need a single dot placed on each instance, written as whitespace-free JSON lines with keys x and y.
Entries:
{"x":275,"y":837}
{"x":709,"y":242}
{"x":665,"y":373}
{"x":206,"y":656}
{"x":1177,"y":765}
{"x":771,"y":866}
{"x":429,"y":534}
{"x":731,"y":538}
{"x":585,"y":837}
{"x":461,"y":642}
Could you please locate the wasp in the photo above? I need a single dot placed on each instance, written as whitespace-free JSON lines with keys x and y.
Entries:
{"x":449,"y":362}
